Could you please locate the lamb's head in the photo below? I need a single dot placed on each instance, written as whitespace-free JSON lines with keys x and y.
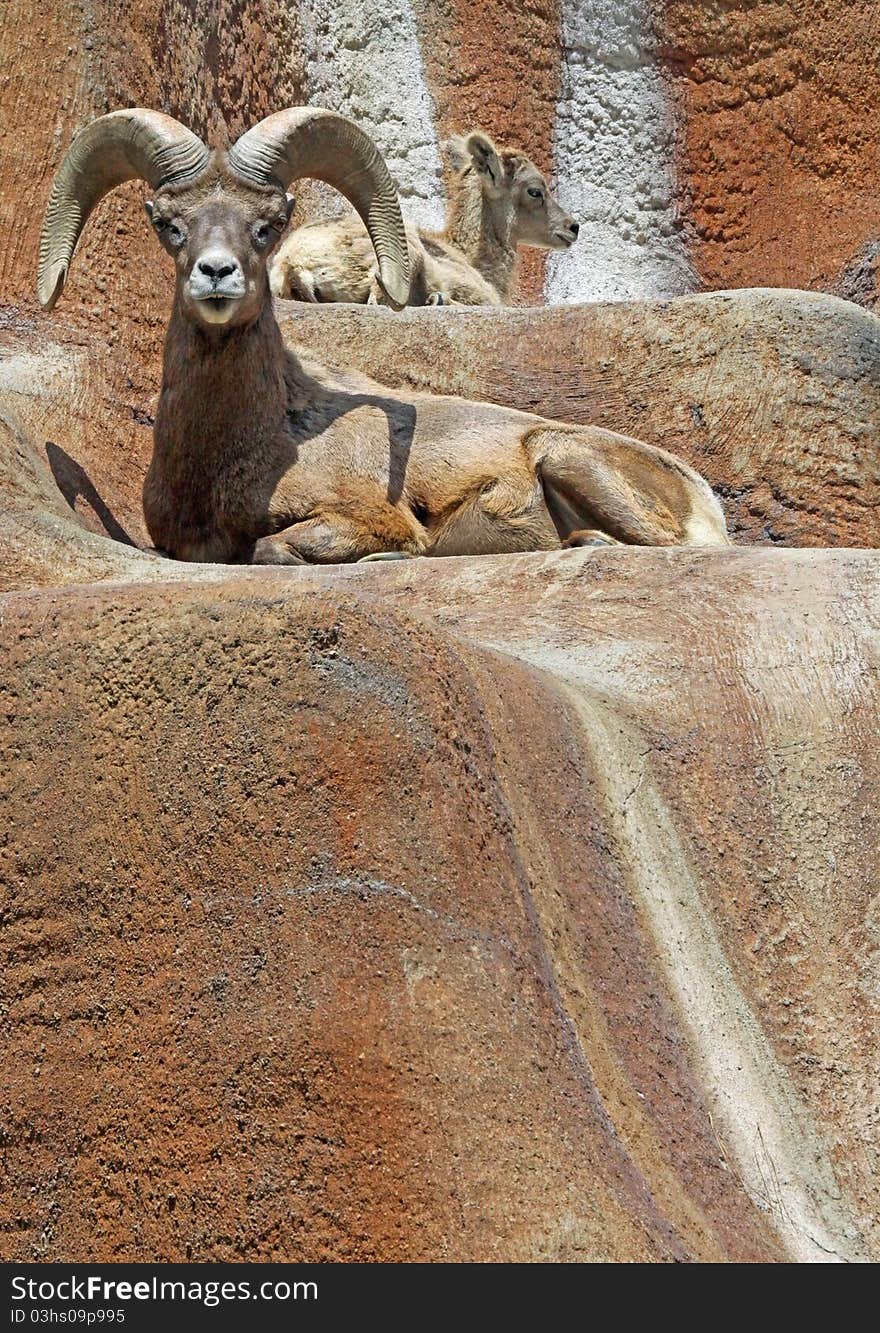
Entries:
{"x":220,"y":213}
{"x":515,"y":186}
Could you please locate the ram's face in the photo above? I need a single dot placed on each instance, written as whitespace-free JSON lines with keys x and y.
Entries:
{"x":220,"y":242}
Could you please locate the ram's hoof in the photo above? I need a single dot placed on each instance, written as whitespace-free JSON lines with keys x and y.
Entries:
{"x":588,"y":537}
{"x":385,"y":555}
{"x":268,"y":551}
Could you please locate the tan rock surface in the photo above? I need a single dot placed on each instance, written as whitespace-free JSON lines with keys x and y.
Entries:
{"x":492,"y":909}
{"x":477,"y":909}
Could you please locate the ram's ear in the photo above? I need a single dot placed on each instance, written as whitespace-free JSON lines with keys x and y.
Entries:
{"x":291,"y":203}
{"x":484,"y":156}
{"x":149,"y":207}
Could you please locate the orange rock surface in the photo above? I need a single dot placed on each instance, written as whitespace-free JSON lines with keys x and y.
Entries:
{"x":515,"y":908}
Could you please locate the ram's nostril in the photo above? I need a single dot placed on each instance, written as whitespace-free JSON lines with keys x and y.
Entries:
{"x":216,"y":268}
{"x":574,"y":227}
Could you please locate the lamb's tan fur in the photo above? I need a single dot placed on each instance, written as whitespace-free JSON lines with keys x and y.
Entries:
{"x":499,"y":201}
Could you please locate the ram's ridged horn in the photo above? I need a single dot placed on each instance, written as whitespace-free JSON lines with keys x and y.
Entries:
{"x":314,"y":142}
{"x":119,"y":147}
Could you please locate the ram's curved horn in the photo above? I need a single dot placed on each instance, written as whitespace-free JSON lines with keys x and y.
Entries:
{"x":311,"y":141}
{"x":119,"y":147}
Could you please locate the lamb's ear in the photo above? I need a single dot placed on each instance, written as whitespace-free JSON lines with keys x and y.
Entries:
{"x":458,"y":153}
{"x":484,"y":156}
{"x":513,"y":162}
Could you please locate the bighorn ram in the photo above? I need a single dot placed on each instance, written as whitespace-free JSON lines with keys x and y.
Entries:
{"x":499,"y":200}
{"x":259,"y":458}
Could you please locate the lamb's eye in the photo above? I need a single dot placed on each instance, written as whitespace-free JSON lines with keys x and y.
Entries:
{"x":534,"y":193}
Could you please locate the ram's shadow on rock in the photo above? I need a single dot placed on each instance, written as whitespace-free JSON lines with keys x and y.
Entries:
{"x":74,"y":483}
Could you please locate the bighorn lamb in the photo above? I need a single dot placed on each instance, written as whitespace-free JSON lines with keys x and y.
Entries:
{"x":499,"y":200}
{"x":258,"y":458}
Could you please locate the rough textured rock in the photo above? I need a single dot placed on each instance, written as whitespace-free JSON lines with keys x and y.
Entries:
{"x":492,"y":909}
{"x":364,"y":59}
{"x":705,"y":145}
{"x":504,"y":909}
{"x":774,"y":396}
{"x":779,"y":161}
{"x":614,"y":146}
{"x":533,"y":921}
{"x":860,"y":279}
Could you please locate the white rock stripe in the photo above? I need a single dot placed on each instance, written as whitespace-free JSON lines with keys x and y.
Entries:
{"x":760,"y":1119}
{"x":614,"y":146}
{"x":363,"y":59}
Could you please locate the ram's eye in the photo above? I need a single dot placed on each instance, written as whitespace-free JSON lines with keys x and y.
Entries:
{"x":535,"y":193}
{"x":262,"y":233}
{"x":170,"y":232}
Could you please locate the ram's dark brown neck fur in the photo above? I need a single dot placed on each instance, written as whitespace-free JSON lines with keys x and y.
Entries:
{"x":227,"y":398}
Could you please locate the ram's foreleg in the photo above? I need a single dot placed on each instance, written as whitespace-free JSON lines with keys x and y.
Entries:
{"x":332,"y":538}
